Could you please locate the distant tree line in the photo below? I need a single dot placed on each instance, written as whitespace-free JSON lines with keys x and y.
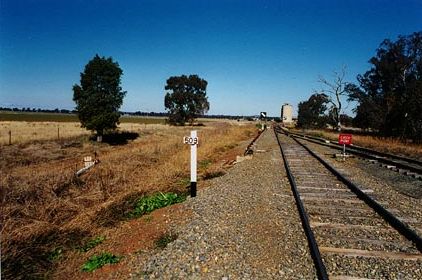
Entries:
{"x":38,"y":110}
{"x":388,"y":95}
{"x":65,"y":111}
{"x":136,"y":113}
{"x":145,"y":114}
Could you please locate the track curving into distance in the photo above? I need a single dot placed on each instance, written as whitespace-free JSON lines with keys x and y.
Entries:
{"x":406,"y":165}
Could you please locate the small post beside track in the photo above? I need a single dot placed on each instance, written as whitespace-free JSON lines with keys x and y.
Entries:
{"x":345,"y":139}
{"x":192,"y":140}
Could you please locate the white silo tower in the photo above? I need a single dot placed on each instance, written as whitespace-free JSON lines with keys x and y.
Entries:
{"x":287,"y":114}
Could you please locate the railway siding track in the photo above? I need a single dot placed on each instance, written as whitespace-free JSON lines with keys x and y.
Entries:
{"x":352,"y":239}
{"x":399,"y":194}
{"x":405,"y":165}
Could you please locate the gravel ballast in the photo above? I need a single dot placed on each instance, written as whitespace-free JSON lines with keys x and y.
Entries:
{"x":389,"y":187}
{"x":244,"y":226}
{"x":361,"y":244}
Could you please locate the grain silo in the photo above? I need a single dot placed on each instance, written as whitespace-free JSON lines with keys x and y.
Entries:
{"x":287,"y":114}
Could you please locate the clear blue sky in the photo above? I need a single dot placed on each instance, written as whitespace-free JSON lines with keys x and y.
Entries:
{"x":255,"y":55}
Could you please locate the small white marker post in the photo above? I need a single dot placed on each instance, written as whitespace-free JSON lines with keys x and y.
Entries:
{"x":193,"y":142}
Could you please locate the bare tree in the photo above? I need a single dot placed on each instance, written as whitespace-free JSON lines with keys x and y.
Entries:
{"x":335,"y":90}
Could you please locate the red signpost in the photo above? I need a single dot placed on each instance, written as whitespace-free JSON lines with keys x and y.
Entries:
{"x":344,"y":139}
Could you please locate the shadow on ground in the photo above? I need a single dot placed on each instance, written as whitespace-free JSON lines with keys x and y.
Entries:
{"x":117,"y":138}
{"x":117,"y":211}
{"x":36,"y":258}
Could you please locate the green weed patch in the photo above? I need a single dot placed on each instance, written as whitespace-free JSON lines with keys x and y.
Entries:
{"x":98,"y":261}
{"x":148,"y":204}
{"x":92,"y":244}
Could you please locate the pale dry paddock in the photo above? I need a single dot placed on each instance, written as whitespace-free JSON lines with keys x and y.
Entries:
{"x":44,"y":206}
{"x":24,"y":132}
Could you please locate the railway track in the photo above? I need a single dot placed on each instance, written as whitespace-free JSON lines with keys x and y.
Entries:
{"x":351,"y":235}
{"x":405,"y":165}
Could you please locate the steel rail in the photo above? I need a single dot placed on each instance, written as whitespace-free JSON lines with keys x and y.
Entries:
{"x":365,"y":154}
{"x":248,"y":149}
{"x":363,"y":149}
{"x":384,"y":213}
{"x":313,"y":246}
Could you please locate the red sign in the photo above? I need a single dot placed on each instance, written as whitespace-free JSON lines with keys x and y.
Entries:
{"x":345,"y":139}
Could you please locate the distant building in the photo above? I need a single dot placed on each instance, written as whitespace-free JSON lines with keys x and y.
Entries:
{"x":287,"y":114}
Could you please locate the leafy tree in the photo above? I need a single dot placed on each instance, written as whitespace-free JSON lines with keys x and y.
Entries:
{"x":346,"y":120}
{"x":389,"y":95}
{"x":369,"y":112}
{"x":311,"y":112}
{"x":335,"y":90}
{"x":186,"y":98}
{"x":99,"y":96}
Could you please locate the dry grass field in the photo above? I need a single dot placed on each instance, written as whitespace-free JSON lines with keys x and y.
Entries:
{"x":60,"y":118}
{"x":24,"y":132}
{"x":29,"y":131}
{"x":46,"y":209}
{"x":389,"y":145}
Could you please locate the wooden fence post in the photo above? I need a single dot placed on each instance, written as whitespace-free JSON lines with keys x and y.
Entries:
{"x":10,"y":137}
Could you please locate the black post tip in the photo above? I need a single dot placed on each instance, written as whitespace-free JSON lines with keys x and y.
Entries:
{"x":192,"y":189}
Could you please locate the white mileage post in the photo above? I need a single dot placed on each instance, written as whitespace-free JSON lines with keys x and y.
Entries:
{"x":193,"y":142}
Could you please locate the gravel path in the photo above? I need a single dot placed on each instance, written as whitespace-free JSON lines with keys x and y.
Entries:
{"x":245,"y":226}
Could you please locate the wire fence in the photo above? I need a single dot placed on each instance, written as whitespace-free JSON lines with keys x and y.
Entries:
{"x":15,"y":132}
{"x":18,"y":133}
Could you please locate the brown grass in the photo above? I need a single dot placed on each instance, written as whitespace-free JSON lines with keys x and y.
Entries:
{"x":25,"y":132}
{"x":45,"y":207}
{"x":382,"y":144}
